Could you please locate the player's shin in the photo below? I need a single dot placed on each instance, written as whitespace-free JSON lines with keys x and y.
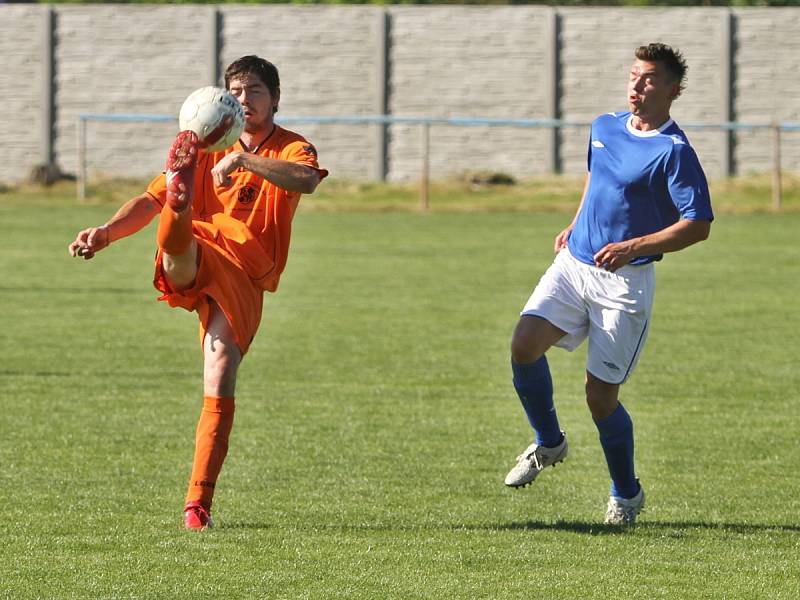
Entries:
{"x":616,"y":438}
{"x":534,"y":387}
{"x":211,"y":447}
{"x":174,"y":235}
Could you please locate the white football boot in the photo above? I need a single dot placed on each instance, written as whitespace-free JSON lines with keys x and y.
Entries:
{"x":623,"y":511}
{"x":533,"y":460}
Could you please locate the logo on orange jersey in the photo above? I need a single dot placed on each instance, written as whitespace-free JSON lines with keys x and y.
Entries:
{"x":247,"y":195}
{"x":310,"y":149}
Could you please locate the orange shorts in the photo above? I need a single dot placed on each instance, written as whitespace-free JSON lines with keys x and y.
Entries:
{"x":221,"y":278}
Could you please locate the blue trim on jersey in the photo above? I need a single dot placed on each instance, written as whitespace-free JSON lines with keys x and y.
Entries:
{"x":641,"y":182}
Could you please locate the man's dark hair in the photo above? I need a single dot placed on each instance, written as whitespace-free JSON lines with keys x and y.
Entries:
{"x":254,"y":65}
{"x":672,"y":59}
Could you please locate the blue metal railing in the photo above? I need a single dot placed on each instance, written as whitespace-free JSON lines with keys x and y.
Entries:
{"x":418,"y":120}
{"x":776,"y":127}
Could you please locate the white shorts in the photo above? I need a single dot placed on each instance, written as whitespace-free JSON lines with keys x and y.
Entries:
{"x":612,"y":309}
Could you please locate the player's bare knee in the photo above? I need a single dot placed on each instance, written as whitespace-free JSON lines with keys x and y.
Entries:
{"x":533,"y":336}
{"x":180,"y":271}
{"x":523,"y":350}
{"x":219,"y":384}
{"x":219,"y":374}
{"x":602,"y":397}
{"x":221,"y":357}
{"x":180,"y":277}
{"x":524,"y":345}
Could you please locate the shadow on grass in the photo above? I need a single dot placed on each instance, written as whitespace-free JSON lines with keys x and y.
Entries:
{"x":661,"y":528}
{"x":676,"y":528}
{"x":69,"y":291}
{"x":115,"y":376}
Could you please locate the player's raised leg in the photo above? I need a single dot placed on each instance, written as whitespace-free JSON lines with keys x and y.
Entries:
{"x":175,"y":223}
{"x":534,"y":386}
{"x":221,"y":358}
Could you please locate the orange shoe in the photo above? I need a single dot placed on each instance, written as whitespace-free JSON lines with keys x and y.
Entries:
{"x":197,"y":518}
{"x":181,"y":162}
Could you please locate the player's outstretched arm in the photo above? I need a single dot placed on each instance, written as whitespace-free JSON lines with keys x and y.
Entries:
{"x":676,"y":237}
{"x":290,"y":176}
{"x":132,"y":216}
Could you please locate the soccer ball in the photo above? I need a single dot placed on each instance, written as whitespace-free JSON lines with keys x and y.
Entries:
{"x":214,"y":115}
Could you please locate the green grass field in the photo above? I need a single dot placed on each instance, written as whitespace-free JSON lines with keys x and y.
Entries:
{"x":376,"y":421}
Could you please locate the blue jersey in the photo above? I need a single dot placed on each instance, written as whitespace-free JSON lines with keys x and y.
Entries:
{"x":641,"y":182}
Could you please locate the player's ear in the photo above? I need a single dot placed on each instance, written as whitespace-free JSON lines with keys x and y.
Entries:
{"x":276,"y":98}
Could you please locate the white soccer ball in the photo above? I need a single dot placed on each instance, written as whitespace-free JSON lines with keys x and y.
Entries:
{"x":215,"y":115}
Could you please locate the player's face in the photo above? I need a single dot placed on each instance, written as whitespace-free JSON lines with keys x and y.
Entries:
{"x":651,"y":90}
{"x":258,"y":102}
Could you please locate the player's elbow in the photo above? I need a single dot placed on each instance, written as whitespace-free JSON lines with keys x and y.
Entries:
{"x":309,"y":183}
{"x":702,"y":230}
{"x":696,"y":231}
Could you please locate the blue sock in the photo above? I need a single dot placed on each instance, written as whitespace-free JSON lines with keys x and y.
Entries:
{"x":616,"y":437}
{"x":535,"y":390}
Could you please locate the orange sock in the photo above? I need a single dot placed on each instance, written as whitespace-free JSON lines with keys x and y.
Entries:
{"x":174,"y":231}
{"x":211,"y":446}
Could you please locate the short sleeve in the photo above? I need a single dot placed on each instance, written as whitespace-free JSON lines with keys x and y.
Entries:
{"x":303,"y":152}
{"x":157,"y":189}
{"x":687,"y":184}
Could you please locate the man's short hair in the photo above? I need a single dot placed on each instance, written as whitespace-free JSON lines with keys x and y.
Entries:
{"x":671,"y":58}
{"x":257,"y":66}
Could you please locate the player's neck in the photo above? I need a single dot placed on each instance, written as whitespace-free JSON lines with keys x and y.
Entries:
{"x":649,"y":122}
{"x":252,"y":141}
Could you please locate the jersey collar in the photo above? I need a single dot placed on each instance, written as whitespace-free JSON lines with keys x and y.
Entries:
{"x":653,"y":132}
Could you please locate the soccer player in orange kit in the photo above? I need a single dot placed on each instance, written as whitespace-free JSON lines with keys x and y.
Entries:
{"x":223,"y":238}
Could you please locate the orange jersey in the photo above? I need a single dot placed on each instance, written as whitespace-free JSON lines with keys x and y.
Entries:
{"x":253,"y":217}
{"x":242,"y":232}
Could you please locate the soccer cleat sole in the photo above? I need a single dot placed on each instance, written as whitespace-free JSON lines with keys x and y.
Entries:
{"x":520,"y":487}
{"x":624,"y":525}
{"x":181,"y":162}
{"x":183,"y":152}
{"x":524,"y":485}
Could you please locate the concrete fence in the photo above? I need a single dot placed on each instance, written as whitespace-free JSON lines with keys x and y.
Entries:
{"x":492,"y":62}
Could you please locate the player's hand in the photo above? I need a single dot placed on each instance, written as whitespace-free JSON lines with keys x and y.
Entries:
{"x":89,"y":241}
{"x":613,"y":256}
{"x":561,"y":240}
{"x":221,"y":173}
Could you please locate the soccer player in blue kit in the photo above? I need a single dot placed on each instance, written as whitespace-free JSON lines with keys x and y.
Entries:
{"x":645,"y":195}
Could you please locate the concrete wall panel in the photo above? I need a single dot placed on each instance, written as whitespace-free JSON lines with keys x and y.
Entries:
{"x":443,"y":61}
